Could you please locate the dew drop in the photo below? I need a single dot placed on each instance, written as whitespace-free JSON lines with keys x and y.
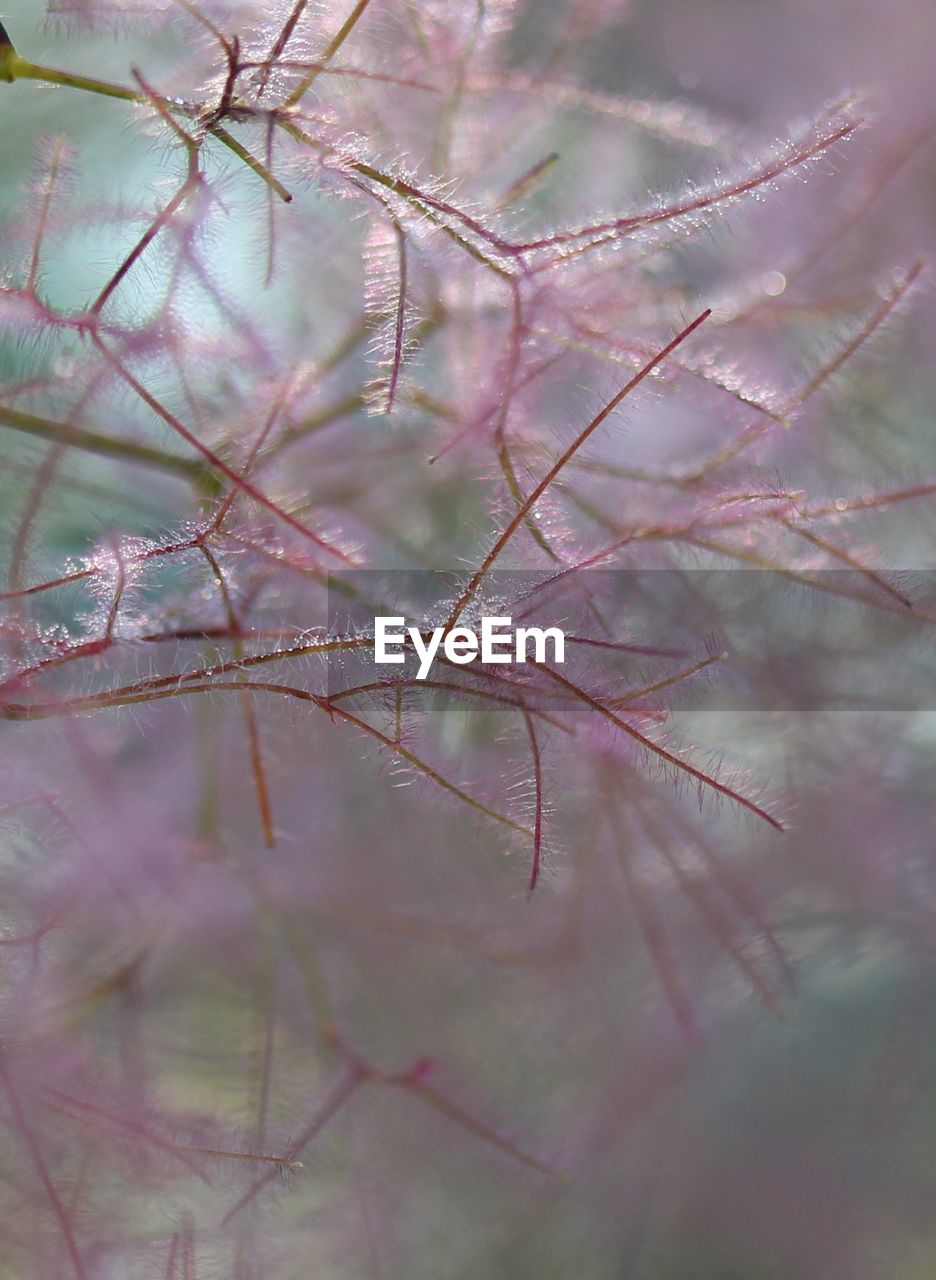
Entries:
{"x":773,"y":283}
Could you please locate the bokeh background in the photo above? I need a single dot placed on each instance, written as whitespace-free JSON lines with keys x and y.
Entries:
{"x":203,"y":981}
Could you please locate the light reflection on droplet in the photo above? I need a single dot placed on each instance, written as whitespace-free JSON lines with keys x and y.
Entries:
{"x":773,"y":283}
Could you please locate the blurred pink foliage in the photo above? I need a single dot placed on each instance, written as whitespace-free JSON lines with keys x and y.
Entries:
{"x":308,"y":971}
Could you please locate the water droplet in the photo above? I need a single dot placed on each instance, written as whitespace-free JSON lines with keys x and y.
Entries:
{"x":773,"y":283}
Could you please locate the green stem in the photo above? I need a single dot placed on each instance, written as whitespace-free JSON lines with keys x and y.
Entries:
{"x":109,"y":447}
{"x":19,"y":69}
{"x":251,"y":161}
{"x":346,"y":28}
{"x":13,"y":67}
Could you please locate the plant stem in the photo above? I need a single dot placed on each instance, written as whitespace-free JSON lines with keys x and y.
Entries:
{"x":13,"y":67}
{"x":97,"y":442}
{"x":19,"y":69}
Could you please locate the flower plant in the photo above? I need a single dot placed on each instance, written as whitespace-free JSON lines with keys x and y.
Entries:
{"x":312,"y":969}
